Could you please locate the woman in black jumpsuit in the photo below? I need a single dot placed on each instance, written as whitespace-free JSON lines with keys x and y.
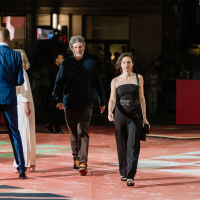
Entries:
{"x":130,"y":114}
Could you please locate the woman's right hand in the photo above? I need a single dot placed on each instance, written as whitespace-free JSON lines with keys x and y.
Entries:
{"x":27,"y":110}
{"x":145,"y":122}
{"x":111,"y":117}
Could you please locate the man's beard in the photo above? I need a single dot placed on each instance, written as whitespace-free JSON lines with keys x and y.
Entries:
{"x":79,"y":54}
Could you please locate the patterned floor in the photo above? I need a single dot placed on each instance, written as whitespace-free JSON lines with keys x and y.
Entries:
{"x":168,"y":168}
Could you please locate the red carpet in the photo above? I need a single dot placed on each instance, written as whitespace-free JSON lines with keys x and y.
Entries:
{"x":168,"y":169}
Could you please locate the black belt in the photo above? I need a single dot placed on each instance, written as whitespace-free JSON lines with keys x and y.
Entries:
{"x":129,"y":102}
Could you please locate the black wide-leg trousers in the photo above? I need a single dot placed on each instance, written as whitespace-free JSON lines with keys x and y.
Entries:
{"x":128,"y":143}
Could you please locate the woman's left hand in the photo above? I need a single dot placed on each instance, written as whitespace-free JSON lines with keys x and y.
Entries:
{"x":146,"y":122}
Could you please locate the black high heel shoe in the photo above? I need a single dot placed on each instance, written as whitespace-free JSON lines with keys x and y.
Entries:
{"x":130,"y":182}
{"x":123,"y":178}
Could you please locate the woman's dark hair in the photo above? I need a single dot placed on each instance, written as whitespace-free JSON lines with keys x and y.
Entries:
{"x":121,"y":57}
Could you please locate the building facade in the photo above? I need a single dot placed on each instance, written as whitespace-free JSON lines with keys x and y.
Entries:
{"x":106,"y":25}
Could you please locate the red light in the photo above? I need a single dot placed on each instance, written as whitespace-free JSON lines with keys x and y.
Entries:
{"x":63,"y":39}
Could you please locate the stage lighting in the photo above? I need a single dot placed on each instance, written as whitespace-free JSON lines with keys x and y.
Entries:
{"x":55,"y":21}
{"x":59,"y":27}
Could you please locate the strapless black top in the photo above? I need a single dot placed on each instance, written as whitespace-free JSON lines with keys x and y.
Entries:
{"x":129,"y":92}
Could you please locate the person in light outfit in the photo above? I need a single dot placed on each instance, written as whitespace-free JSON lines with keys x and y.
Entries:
{"x":26,"y":117}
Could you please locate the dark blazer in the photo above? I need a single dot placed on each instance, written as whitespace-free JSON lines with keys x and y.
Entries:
{"x":11,"y":75}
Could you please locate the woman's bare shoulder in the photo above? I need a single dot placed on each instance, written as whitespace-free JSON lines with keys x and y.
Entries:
{"x":116,"y":79}
{"x":140,"y":76}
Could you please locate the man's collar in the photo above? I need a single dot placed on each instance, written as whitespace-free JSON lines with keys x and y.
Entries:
{"x":3,"y":44}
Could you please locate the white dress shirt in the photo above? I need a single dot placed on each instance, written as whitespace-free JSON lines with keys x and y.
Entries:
{"x":3,"y":43}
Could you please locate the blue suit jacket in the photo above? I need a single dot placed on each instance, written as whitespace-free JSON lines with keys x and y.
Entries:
{"x":11,"y":75}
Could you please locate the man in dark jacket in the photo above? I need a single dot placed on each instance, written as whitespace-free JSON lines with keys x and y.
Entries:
{"x":73,"y":91}
{"x":57,"y":114}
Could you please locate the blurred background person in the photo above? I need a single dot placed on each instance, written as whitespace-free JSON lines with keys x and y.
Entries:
{"x":100,"y":54}
{"x":165,"y":70}
{"x":107,"y":57}
{"x":45,"y":84}
{"x":26,"y":117}
{"x":116,"y":54}
{"x":123,"y":48}
{"x":159,"y":63}
{"x":105,"y":76}
{"x":195,"y":62}
{"x":169,"y":88}
{"x":196,"y":75}
{"x":184,"y":74}
{"x":152,"y":88}
{"x":132,"y":50}
{"x":57,"y":114}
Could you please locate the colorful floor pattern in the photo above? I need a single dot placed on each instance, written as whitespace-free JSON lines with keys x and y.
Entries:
{"x":168,"y":169}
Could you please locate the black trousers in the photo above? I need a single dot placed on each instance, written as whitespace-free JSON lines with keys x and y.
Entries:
{"x":78,"y":121}
{"x":128,"y":143}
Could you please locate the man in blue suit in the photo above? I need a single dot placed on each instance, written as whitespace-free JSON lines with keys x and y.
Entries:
{"x":11,"y":75}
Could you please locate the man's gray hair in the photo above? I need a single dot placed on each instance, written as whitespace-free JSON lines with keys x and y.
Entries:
{"x":75,"y":39}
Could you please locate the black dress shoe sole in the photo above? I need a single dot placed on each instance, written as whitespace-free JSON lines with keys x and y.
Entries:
{"x":75,"y":169}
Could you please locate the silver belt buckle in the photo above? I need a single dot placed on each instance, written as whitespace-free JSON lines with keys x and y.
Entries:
{"x":127,"y":103}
